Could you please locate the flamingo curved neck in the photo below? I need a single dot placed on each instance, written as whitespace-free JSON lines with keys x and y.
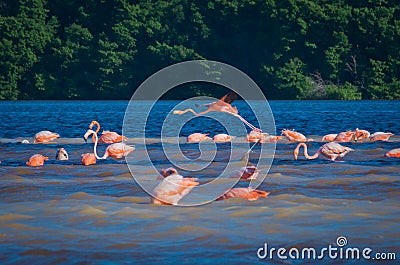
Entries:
{"x":95,"y":147}
{"x":97,"y":124}
{"x":306,"y":151}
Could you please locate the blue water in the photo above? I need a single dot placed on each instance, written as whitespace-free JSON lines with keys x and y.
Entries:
{"x":65,"y":213}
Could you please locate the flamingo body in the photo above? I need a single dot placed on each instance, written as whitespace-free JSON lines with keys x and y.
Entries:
{"x":197,"y":137}
{"x":36,"y":160}
{"x":380,"y":136}
{"x":329,"y":137}
{"x":270,"y":138}
{"x":244,"y":193}
{"x":361,"y":134}
{"x":294,"y":136}
{"x":88,"y":159}
{"x":345,"y":137}
{"x":393,"y":153}
{"x":172,"y":189}
{"x":254,"y":136}
{"x":222,"y":138}
{"x":45,"y":137}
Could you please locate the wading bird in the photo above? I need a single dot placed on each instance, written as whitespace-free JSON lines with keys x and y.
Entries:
{"x":330,"y":150}
{"x":329,"y":137}
{"x":107,"y":137}
{"x":393,"y":153}
{"x":198,"y":137}
{"x":36,"y":160}
{"x":347,"y":136}
{"x":61,"y":154}
{"x":116,"y":150}
{"x":222,"y":138}
{"x":295,"y":136}
{"x":88,"y":159}
{"x":173,"y":187}
{"x":244,"y":193}
{"x":380,"y":136}
{"x":45,"y":137}
{"x":222,"y":105}
{"x":361,"y":134}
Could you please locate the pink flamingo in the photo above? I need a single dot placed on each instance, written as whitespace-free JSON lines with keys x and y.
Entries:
{"x":329,"y":137}
{"x":173,"y":187}
{"x":361,"y":134}
{"x":330,"y":150}
{"x":45,"y":137}
{"x":380,"y":136}
{"x":116,"y":150}
{"x":36,"y":160}
{"x":222,"y":138}
{"x":198,"y":137}
{"x":393,"y":153}
{"x":295,"y":136}
{"x":347,"y":136}
{"x":107,"y":137}
{"x":222,"y":105}
{"x":244,"y":193}
{"x":88,"y":159}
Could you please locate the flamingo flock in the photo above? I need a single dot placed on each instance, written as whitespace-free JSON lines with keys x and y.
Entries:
{"x":174,"y":186}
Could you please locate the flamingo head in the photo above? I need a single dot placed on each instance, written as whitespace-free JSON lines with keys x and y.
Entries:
{"x":87,"y":134}
{"x":168,"y":172}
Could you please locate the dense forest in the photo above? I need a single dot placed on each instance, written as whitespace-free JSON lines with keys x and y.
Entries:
{"x":293,"y":49}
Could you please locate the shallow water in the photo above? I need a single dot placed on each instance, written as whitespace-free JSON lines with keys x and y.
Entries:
{"x":64,"y":212}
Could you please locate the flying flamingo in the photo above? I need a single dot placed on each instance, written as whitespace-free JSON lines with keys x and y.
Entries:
{"x":198,"y":137}
{"x":222,"y":105}
{"x":173,"y":187}
{"x":244,"y":193}
{"x":393,"y":153}
{"x":61,"y":154}
{"x":116,"y":150}
{"x":347,"y":136}
{"x":88,"y":159}
{"x":329,"y":137}
{"x":222,"y":138}
{"x":36,"y":160}
{"x":330,"y":150}
{"x":295,"y":136}
{"x":361,"y":134}
{"x":45,"y":137}
{"x":380,"y":136}
{"x":107,"y":137}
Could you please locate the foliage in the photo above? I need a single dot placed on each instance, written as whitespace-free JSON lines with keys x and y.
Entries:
{"x":303,"y":49}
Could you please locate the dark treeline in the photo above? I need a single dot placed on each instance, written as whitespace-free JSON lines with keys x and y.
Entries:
{"x":293,"y":49}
